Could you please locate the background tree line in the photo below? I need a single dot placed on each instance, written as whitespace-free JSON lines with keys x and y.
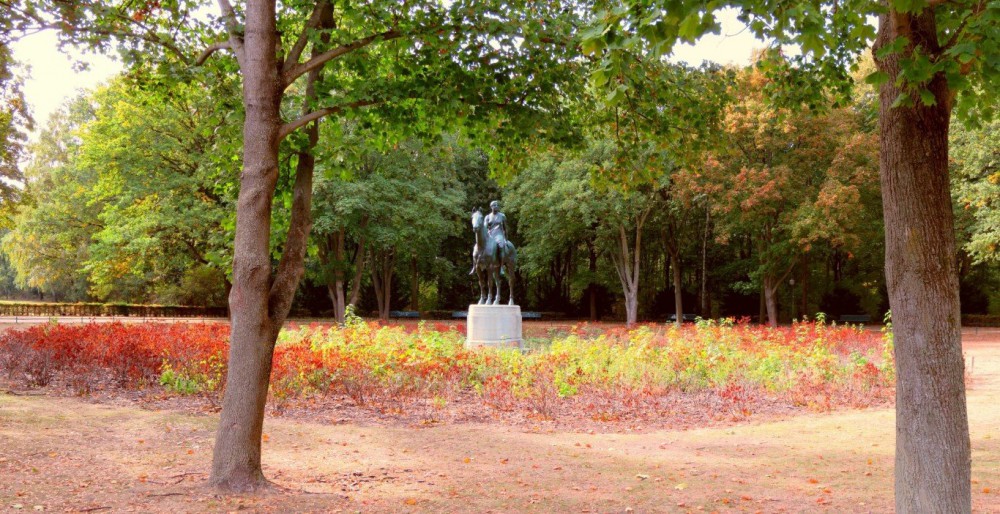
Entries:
{"x":724,"y":205}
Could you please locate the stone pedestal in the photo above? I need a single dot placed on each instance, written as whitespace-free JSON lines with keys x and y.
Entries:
{"x":494,"y":325}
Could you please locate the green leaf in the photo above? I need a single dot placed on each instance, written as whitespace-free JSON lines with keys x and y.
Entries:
{"x":877,"y":78}
{"x":927,"y":97}
{"x":895,"y":46}
{"x":689,"y":28}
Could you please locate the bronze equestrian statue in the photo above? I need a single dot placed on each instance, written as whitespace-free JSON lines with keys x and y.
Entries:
{"x":493,"y":254}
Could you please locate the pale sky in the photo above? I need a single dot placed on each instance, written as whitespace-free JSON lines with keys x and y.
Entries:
{"x":53,"y":80}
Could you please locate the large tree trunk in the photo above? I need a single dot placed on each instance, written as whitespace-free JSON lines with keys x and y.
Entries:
{"x":236,"y":458}
{"x":258,"y":302}
{"x":933,"y":469}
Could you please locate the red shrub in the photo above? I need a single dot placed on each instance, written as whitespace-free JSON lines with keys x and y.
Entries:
{"x":130,"y":354}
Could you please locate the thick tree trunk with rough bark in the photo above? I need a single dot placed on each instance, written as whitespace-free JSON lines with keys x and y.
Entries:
{"x":236,"y":459}
{"x":933,"y":469}
{"x":258,"y":301}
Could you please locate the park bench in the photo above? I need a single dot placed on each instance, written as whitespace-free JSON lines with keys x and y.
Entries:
{"x":404,"y":314}
{"x":855,"y":318}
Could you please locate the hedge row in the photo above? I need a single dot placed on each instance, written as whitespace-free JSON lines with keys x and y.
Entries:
{"x":981,"y":320}
{"x":108,"y":309}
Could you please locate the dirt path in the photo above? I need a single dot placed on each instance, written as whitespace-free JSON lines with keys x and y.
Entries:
{"x":61,"y":454}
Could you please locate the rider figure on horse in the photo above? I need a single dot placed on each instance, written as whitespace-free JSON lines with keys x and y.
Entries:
{"x":496,"y":226}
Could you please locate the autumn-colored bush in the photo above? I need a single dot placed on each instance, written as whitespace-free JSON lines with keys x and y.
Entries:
{"x":808,"y":364}
{"x":610,"y":373}
{"x":127,"y":355}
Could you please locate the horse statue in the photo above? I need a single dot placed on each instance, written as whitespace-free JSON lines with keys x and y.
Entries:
{"x":490,"y":260}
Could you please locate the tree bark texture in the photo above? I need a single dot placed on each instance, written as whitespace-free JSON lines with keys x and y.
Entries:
{"x":259,"y":303}
{"x":771,"y":300}
{"x":933,"y":460}
{"x":236,"y":457}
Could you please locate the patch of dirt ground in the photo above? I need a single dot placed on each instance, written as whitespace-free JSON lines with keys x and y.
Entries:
{"x":71,"y":455}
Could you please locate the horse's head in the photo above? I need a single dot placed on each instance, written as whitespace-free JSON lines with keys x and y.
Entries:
{"x":477,"y":219}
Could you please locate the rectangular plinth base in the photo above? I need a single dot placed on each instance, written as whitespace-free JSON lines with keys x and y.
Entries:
{"x":494,"y":325}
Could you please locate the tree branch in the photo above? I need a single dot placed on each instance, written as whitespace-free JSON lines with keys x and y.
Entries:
{"x":289,"y":76}
{"x":976,"y":11}
{"x":233,"y":28}
{"x":211,"y":49}
{"x":291,"y":126}
{"x":300,"y":44}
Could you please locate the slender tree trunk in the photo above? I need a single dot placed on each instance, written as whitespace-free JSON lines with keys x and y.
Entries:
{"x":771,"y":300}
{"x":933,"y":469}
{"x":336,"y":288}
{"x":704,"y":266}
{"x":360,"y":255}
{"x":382,"y":266}
{"x":676,"y":265}
{"x":627,"y":264}
{"x":804,"y":281}
{"x":762,"y":315}
{"x":592,"y":287}
{"x":414,"y":285}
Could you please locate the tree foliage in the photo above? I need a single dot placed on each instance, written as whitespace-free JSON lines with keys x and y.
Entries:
{"x":135,"y":222}
{"x":15,"y":121}
{"x":975,"y":160}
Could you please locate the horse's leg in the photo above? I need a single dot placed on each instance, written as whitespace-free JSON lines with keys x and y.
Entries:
{"x":482,"y":286}
{"x":510,"y":283}
{"x":496,"y":280}
{"x":491,"y":299}
{"x":489,"y":285}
